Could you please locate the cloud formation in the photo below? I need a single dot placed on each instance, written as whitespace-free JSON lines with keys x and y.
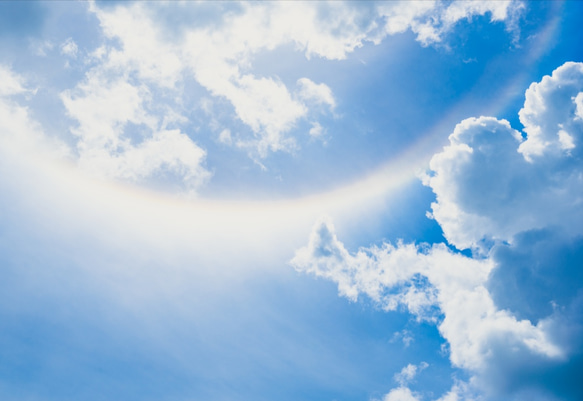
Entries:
{"x":104,"y":106}
{"x":404,"y":377}
{"x":219,"y":54}
{"x":511,"y":314}
{"x":435,"y":284}
{"x":491,"y":184}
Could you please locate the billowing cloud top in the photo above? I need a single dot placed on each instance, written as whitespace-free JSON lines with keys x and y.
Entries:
{"x":512,"y":307}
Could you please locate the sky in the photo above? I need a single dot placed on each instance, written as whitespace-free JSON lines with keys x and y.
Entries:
{"x":343,"y":201}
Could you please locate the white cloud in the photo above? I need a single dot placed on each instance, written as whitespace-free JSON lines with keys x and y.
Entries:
{"x":165,"y":150}
{"x":317,"y":93}
{"x":104,"y":105}
{"x":69,"y":48}
{"x":267,"y":107}
{"x":405,"y":336}
{"x":10,"y":83}
{"x":408,"y":373}
{"x":475,"y":203}
{"x":420,"y":279}
{"x":219,"y":54}
{"x":479,"y":334}
{"x":225,"y":137}
{"x":549,"y":109}
{"x":401,"y":394}
{"x":578,"y":100}
{"x":458,"y":10}
{"x":317,"y":131}
{"x":491,"y":184}
{"x":432,"y":20}
{"x":18,"y":130}
{"x":508,"y":312}
{"x":460,"y":391}
{"x":142,"y":48}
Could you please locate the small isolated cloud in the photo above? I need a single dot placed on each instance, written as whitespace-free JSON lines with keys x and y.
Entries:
{"x":225,"y":137}
{"x":408,"y":373}
{"x":69,"y":48}
{"x":512,"y":312}
{"x":405,"y":336}
{"x":318,"y":132}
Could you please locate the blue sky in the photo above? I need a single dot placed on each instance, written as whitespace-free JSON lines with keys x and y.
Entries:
{"x":375,"y":201}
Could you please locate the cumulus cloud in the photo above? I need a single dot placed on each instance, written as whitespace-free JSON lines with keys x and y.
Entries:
{"x":552,"y":115}
{"x":219,"y":54}
{"x":475,"y":204}
{"x":491,"y":184}
{"x":422,"y":279}
{"x":511,"y":313}
{"x":104,"y":105}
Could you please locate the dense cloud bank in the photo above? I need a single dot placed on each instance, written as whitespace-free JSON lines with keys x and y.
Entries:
{"x":512,"y":313}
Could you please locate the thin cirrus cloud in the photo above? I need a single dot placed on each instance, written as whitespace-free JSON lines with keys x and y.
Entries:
{"x":516,"y":204}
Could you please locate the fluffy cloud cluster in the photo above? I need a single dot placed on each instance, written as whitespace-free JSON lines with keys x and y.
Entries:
{"x":219,"y":53}
{"x":491,"y":184}
{"x":219,"y":59}
{"x":512,"y":313}
{"x":434,"y":284}
{"x":105,"y":107}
